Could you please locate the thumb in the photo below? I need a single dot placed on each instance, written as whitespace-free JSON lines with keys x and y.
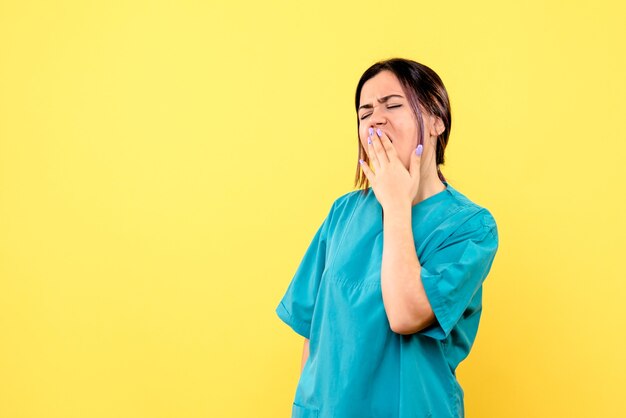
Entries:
{"x":416,"y":158}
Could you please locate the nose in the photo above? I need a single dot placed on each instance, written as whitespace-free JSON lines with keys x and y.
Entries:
{"x":377,"y":118}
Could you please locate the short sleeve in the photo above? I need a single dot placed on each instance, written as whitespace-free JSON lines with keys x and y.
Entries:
{"x":296,"y":306}
{"x":456,"y":272}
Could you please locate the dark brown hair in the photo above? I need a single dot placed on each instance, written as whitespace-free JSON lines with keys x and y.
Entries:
{"x":423,"y":87}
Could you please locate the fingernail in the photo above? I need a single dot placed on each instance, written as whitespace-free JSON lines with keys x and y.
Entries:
{"x":369,"y":139}
{"x":419,"y":149}
{"x":379,"y":132}
{"x":371,"y":131}
{"x":361,"y":161}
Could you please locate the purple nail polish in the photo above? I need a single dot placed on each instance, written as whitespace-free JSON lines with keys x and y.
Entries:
{"x":369,"y":139}
{"x":379,"y":132}
{"x":361,"y":161}
{"x":371,"y":131}
{"x":419,"y":149}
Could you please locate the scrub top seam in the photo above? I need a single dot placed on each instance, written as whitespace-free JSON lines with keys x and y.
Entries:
{"x":331,"y":262}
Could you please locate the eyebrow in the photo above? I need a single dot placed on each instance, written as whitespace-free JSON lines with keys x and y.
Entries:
{"x":382,"y":100}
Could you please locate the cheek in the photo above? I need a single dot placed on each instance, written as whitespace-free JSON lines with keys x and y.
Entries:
{"x":409,"y":132}
{"x":363,"y":137}
{"x":408,"y":125}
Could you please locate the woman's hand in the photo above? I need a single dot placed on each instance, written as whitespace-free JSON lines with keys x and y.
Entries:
{"x":391,"y":182}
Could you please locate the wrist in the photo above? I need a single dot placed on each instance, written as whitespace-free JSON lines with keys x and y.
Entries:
{"x":398,"y":207}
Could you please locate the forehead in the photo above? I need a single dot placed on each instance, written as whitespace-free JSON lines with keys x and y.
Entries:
{"x":382,"y":84}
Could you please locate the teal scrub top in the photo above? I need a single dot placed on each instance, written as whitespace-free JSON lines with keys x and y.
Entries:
{"x":357,"y":366}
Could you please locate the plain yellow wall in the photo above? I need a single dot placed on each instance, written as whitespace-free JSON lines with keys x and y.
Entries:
{"x":164,"y":165}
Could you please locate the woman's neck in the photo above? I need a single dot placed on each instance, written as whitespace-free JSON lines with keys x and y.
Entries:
{"x":430,"y":184}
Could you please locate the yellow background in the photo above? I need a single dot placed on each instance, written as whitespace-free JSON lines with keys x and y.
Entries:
{"x":164,"y":165}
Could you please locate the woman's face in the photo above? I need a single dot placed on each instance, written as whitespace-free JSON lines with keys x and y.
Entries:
{"x":393,"y":116}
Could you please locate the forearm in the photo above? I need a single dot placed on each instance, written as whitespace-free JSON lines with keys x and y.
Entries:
{"x":305,"y":354}
{"x":404,"y":298}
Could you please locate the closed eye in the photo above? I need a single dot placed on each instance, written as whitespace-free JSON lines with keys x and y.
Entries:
{"x":388,"y":107}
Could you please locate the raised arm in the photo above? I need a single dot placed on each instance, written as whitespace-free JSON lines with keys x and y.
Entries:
{"x":451,"y":276}
{"x":407,"y":307}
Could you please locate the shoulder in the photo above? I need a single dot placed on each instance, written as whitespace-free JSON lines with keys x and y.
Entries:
{"x":343,"y":208}
{"x":348,"y":200}
{"x":469,"y":217}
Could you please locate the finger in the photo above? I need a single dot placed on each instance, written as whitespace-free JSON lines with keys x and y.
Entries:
{"x":378,"y":147}
{"x":390,"y":150}
{"x":367,"y":171}
{"x":371,"y":152}
{"x":416,"y":161}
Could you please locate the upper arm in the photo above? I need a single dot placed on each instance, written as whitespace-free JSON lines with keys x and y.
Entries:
{"x":298,"y":303}
{"x":455,"y":273}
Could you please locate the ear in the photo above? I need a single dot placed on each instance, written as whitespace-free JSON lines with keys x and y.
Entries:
{"x":437,"y":127}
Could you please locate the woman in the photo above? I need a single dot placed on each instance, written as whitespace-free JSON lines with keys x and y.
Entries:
{"x":388,"y":295}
